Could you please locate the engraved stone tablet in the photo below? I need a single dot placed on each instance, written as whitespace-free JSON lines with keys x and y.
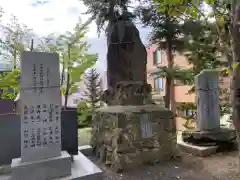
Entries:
{"x":207,"y":94}
{"x":40,"y":106}
{"x":146,"y":126}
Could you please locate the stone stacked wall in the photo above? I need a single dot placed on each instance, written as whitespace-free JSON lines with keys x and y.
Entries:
{"x":126,"y":136}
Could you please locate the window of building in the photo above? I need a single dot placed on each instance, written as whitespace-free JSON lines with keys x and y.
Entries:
{"x":158,"y":83}
{"x":157,"y":57}
{"x":188,"y":112}
{"x":75,"y":101}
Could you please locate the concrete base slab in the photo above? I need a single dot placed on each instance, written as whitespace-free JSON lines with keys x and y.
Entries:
{"x":81,"y":169}
{"x":193,"y":149}
{"x":5,"y":177}
{"x":43,"y":169}
{"x":196,"y":150}
{"x":87,"y":150}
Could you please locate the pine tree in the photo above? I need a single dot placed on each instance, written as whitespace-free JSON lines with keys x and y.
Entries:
{"x":105,"y":11}
{"x":166,"y":32}
{"x":93,"y":88}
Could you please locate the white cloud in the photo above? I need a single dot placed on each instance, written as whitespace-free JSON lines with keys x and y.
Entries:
{"x":56,"y":16}
{"x":50,"y":16}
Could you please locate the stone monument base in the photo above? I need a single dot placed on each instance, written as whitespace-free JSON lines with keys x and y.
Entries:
{"x":218,"y":135}
{"x":202,"y":151}
{"x":81,"y":169}
{"x":205,"y":143}
{"x":49,"y":168}
{"x":127,"y":136}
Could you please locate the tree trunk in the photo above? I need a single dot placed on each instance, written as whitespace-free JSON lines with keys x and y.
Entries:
{"x":63,"y":72}
{"x":14,"y":59}
{"x":169,"y":99}
{"x":68,"y":79}
{"x":31,"y":46}
{"x":235,"y":89}
{"x":67,"y":89}
{"x":167,"y":92}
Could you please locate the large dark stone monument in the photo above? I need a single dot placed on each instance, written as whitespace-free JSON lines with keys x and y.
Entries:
{"x":131,"y":130}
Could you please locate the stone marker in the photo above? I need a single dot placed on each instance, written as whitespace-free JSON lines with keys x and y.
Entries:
{"x":208,"y":135}
{"x":208,"y":107}
{"x":41,"y":155}
{"x":41,"y":107}
{"x":207,"y":99}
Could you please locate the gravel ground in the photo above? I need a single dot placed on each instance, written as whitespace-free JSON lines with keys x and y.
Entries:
{"x":222,"y":166}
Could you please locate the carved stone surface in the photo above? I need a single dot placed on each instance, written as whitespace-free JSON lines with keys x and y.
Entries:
{"x":40,"y":106}
{"x":128,"y":93}
{"x":207,"y":94}
{"x":127,"y":56}
{"x":123,"y":141}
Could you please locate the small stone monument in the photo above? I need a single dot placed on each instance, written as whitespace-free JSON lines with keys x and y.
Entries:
{"x":131,"y":130}
{"x":207,"y":98}
{"x":41,"y":155}
{"x":208,"y":129}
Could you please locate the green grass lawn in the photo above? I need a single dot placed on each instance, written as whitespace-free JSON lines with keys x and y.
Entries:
{"x":84,"y":135}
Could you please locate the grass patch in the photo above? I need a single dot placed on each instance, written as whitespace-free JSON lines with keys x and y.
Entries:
{"x":84,"y":136}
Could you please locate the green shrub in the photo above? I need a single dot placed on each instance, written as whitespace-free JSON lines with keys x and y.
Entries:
{"x":84,"y":115}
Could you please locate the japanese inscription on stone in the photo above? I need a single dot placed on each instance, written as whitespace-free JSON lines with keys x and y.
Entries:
{"x":40,"y":102}
{"x":146,"y":126}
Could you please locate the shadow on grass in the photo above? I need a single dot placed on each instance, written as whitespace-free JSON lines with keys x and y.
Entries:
{"x":84,"y":136}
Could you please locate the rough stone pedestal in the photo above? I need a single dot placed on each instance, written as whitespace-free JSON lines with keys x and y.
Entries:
{"x":127,"y":136}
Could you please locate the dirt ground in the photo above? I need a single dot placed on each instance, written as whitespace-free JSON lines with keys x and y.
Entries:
{"x":222,"y":166}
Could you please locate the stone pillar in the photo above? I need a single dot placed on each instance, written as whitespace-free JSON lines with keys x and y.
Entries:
{"x":41,"y":156}
{"x":207,"y":99}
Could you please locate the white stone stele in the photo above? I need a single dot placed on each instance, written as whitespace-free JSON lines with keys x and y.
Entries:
{"x":46,"y":162}
{"x":33,"y":66}
{"x":41,"y":156}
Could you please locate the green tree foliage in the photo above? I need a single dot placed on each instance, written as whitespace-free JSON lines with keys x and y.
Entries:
{"x":74,"y":57}
{"x":166,"y":33}
{"x":93,"y":88}
{"x":103,"y":11}
{"x":71,"y":46}
{"x":13,"y":40}
{"x":9,"y":80}
{"x":16,"y":38}
{"x":200,"y":48}
{"x":84,"y":114}
{"x":189,"y":32}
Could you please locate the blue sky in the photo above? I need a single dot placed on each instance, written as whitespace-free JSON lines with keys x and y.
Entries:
{"x":58,"y":16}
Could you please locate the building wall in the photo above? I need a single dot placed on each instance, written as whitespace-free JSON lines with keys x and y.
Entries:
{"x":181,"y":92}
